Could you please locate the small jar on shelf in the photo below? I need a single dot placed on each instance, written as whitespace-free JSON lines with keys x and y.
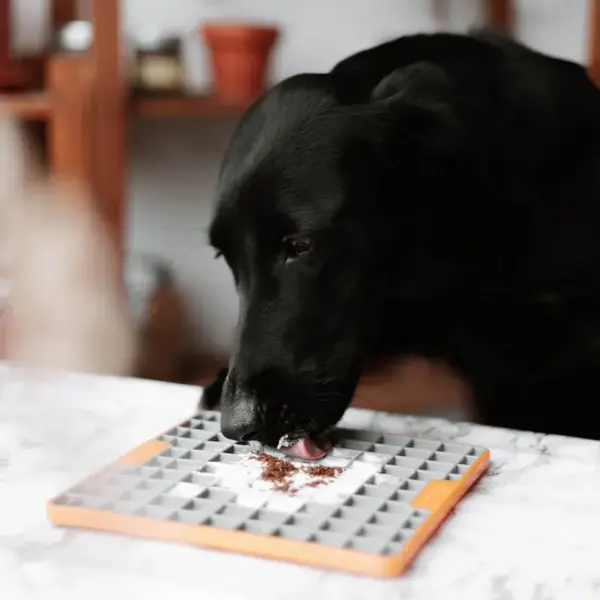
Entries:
{"x":158,"y":64}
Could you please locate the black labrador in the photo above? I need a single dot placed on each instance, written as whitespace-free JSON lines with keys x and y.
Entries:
{"x":436,"y":195}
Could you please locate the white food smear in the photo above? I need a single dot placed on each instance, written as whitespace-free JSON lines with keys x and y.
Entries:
{"x":185,"y":490}
{"x":245,"y":480}
{"x":286,"y":441}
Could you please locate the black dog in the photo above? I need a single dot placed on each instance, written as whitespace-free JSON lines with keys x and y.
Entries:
{"x":436,"y":195}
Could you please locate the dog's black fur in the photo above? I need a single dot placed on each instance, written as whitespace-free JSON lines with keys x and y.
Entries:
{"x":435,"y":195}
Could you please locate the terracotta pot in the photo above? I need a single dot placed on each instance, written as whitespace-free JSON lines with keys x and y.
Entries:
{"x":239,"y":55}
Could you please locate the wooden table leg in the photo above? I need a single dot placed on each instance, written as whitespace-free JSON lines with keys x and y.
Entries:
{"x":594,"y":40}
{"x":110,"y":94}
{"x":499,"y":14}
{"x":69,"y":128}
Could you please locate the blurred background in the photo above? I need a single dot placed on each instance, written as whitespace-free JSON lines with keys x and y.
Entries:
{"x":135,"y":100}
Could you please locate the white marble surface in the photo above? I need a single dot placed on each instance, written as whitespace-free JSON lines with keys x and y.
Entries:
{"x":530,"y":530}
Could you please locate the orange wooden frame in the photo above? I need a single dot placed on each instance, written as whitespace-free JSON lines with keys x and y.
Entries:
{"x":63,"y":11}
{"x":109,"y":116}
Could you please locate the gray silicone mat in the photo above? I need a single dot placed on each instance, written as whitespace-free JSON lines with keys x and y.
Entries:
{"x":202,"y":478}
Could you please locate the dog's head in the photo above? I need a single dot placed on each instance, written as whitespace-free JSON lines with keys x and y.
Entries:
{"x":301,"y":220}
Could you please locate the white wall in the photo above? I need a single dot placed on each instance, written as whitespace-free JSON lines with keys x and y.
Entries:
{"x":174,"y":163}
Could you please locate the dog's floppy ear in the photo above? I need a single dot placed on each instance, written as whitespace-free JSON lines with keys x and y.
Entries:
{"x":413,"y":109}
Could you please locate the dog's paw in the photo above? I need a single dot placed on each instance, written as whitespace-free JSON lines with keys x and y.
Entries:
{"x":211,"y":397}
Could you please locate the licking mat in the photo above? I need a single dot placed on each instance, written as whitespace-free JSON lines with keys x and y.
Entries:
{"x":193,"y":485}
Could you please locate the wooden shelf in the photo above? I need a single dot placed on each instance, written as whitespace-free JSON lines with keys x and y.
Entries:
{"x":185,"y":106}
{"x":35,"y":106}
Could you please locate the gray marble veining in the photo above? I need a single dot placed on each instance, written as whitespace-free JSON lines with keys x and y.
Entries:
{"x":530,"y":530}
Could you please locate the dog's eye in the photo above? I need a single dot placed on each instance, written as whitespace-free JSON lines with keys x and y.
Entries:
{"x":294,"y":247}
{"x":218,"y":254}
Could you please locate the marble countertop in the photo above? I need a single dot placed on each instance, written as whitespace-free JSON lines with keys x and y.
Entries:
{"x":530,"y":529}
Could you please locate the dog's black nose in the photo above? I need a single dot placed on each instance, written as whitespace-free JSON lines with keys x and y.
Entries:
{"x":239,"y":418}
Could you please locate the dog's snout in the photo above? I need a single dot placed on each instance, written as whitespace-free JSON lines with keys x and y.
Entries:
{"x":240,"y":422}
{"x":239,"y":415}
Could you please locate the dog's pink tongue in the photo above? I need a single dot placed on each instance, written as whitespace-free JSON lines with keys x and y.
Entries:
{"x":305,"y":449}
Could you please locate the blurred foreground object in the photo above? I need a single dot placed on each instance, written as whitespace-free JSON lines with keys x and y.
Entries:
{"x":159,"y":315}
{"x":68,"y":309}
